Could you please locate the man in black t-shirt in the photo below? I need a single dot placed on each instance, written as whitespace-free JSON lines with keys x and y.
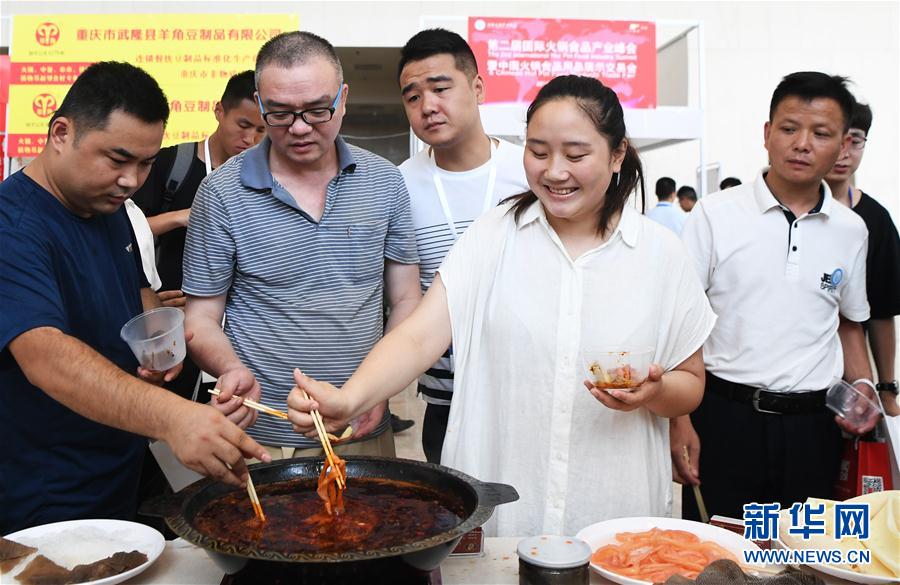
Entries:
{"x":882,"y":260}
{"x":76,"y":407}
{"x":240,"y":127}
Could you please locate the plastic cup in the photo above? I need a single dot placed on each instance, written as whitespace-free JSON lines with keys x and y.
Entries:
{"x":618,"y":369}
{"x":156,"y":338}
{"x":849,"y":403}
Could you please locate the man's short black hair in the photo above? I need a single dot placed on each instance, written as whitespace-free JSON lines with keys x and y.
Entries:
{"x":686,"y":192}
{"x":296,"y":48}
{"x":665,"y":187}
{"x":810,"y":85}
{"x":239,"y":88}
{"x":108,"y":86}
{"x":729,"y":182}
{"x":439,"y":41}
{"x":861,"y":119}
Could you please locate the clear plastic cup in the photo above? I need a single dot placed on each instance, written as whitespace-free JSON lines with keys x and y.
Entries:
{"x":849,"y":403}
{"x":156,"y":338}
{"x":619,"y":369}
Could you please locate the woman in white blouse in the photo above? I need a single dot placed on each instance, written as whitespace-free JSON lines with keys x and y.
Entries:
{"x":566,"y":266}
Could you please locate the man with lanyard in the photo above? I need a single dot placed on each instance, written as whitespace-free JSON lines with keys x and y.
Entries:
{"x":461,"y":174}
{"x":665,"y":213}
{"x":784,"y":268}
{"x":167,"y":195}
{"x":74,"y":400}
{"x":298,"y":240}
{"x":882,"y":260}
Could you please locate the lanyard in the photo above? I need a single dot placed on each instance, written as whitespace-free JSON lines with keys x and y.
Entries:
{"x":488,"y":194}
{"x":850,"y":195}
{"x":206,"y":157}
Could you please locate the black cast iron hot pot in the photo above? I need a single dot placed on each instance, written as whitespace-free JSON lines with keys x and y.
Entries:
{"x":416,"y":558}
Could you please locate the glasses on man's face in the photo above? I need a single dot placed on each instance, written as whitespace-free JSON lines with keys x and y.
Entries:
{"x":312,"y":116}
{"x":857,"y":142}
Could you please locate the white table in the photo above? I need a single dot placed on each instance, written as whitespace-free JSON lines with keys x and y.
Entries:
{"x":185,"y":564}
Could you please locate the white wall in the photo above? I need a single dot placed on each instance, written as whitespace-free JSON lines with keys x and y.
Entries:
{"x":749,"y":46}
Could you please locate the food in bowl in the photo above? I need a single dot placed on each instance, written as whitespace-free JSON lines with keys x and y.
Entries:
{"x":655,"y":555}
{"x":623,"y":377}
{"x":618,"y":369}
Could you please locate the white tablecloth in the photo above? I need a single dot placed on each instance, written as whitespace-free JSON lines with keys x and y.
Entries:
{"x":185,"y":564}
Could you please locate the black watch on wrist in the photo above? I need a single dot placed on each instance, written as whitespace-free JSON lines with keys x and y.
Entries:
{"x":888,"y":387}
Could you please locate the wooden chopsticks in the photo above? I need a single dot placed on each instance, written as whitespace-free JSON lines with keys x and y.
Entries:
{"x":281,"y":414}
{"x":254,"y":499}
{"x":256,"y":406}
{"x":701,"y":507}
{"x":320,"y":429}
{"x":326,"y":444}
{"x":251,"y":489}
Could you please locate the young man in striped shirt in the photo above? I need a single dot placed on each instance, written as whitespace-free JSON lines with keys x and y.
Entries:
{"x":297,"y":240}
{"x":463,"y":173}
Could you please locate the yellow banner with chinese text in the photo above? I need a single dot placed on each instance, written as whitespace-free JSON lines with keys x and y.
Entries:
{"x":192,"y":56}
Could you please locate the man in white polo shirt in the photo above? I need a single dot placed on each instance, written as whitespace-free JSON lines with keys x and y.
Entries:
{"x":462,"y":174}
{"x":783,"y":265}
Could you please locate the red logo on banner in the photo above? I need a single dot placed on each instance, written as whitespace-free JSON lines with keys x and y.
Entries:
{"x":518,"y":56}
{"x":44,"y":105}
{"x":46,"y":33}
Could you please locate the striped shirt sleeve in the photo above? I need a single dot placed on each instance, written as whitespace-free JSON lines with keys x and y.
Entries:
{"x":400,"y":243}
{"x":209,"y":251}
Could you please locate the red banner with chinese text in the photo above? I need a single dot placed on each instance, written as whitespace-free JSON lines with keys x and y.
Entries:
{"x":4,"y":91}
{"x":518,"y":56}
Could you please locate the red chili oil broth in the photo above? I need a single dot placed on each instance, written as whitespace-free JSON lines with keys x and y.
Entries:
{"x":378,"y":513}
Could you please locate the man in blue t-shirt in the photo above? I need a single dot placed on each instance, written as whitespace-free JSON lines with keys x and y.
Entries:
{"x":73,"y":411}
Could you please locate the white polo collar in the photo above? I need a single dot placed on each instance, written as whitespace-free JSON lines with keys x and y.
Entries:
{"x":765,"y":200}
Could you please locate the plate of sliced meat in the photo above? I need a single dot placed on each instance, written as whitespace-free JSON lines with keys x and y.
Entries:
{"x":99,"y":552}
{"x":643,"y":551}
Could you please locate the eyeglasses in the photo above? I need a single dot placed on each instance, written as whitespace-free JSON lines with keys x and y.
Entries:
{"x":857,"y":142}
{"x":312,"y":116}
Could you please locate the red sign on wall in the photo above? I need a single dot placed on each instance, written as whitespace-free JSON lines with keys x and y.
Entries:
{"x":518,"y":56}
{"x":4,"y":90}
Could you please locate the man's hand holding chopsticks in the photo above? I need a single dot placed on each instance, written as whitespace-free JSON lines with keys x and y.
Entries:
{"x":685,"y":446}
{"x":235,"y":385}
{"x":210,"y":444}
{"x":331,"y":404}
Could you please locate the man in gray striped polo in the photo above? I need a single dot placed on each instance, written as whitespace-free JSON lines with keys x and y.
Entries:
{"x":296,"y":241}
